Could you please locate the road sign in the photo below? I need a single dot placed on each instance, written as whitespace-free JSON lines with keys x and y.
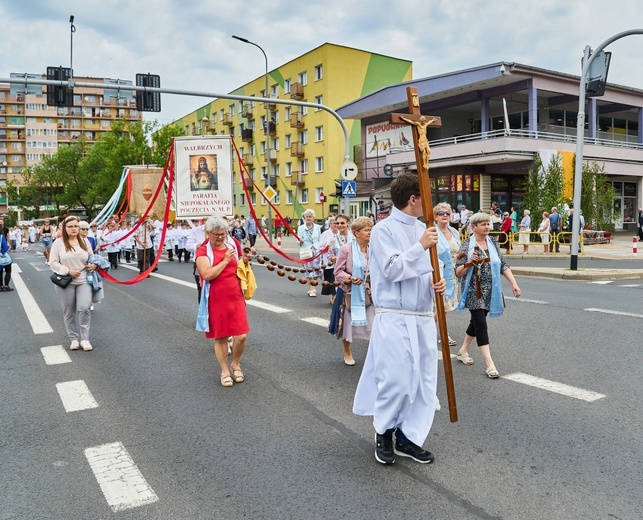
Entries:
{"x":269,"y":192}
{"x":348,"y":170}
{"x":349,"y":189}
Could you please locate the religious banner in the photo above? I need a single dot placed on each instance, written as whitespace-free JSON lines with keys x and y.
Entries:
{"x":145,"y":180}
{"x":203,"y":172}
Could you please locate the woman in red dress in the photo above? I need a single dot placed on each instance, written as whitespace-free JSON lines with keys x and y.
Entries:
{"x":216,"y":262}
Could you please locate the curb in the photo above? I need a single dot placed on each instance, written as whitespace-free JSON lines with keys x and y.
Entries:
{"x":583,"y":274}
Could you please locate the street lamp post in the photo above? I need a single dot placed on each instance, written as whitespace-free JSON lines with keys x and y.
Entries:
{"x":267,"y":130}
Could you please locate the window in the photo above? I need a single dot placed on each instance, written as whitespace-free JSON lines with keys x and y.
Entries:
{"x":275,"y":117}
{"x":263,"y":173}
{"x":319,"y":164}
{"x":288,"y":169}
{"x":276,"y":200}
{"x":303,"y":196}
{"x":275,"y":144}
{"x":262,"y":147}
{"x":288,"y":140}
{"x":231,"y":109}
{"x":243,"y":199}
{"x":274,"y":91}
{"x":289,"y":198}
{"x":302,"y":136}
{"x":320,"y":101}
{"x":303,"y":166}
{"x":287,"y":86}
{"x":319,"y":133}
{"x":304,"y":111}
{"x":302,"y":77}
{"x":253,"y":173}
{"x":319,"y":72}
{"x":275,"y":170}
{"x":253,"y":198}
{"x":287,"y":113}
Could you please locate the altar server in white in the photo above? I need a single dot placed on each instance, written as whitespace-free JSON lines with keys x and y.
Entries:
{"x":398,"y":384}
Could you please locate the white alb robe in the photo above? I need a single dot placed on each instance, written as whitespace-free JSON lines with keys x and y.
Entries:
{"x":398,"y":383}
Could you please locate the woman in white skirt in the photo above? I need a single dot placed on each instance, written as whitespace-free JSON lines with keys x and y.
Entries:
{"x":524,"y":229}
{"x":543,"y":229}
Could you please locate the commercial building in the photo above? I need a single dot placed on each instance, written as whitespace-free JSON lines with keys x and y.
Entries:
{"x":30,"y":129}
{"x":307,"y":144}
{"x":495,"y":120}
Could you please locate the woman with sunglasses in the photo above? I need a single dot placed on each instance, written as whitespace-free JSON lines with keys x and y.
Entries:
{"x":216,"y":262}
{"x":448,"y":247}
{"x":69,"y":256}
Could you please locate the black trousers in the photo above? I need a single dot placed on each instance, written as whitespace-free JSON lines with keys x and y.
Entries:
{"x":252,"y":239}
{"x":478,"y":326}
{"x":149,"y":258}
{"x":7,"y":275}
{"x":113,"y":259}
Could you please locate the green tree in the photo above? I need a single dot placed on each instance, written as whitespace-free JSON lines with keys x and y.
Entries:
{"x":162,"y":140}
{"x":545,"y":186}
{"x":597,"y":198}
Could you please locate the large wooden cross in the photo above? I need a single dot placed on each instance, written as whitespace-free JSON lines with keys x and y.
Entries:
{"x":420,"y":124}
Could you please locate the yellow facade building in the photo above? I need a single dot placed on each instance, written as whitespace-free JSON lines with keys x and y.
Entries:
{"x":307,"y":144}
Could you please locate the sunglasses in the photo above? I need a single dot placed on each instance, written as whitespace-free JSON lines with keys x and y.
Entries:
{"x":443,"y":213}
{"x":84,"y":229}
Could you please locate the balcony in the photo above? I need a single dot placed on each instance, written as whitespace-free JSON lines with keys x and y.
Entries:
{"x":297,"y":179}
{"x":296,"y":121}
{"x":272,"y":128}
{"x":227,"y":119}
{"x":271,"y":105}
{"x":247,"y":183}
{"x":296,"y":149}
{"x":296,"y":91}
{"x":273,"y":156}
{"x":246,"y":135}
{"x":247,"y":159}
{"x":246,"y":111}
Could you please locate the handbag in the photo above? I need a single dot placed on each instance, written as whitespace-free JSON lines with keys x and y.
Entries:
{"x":5,"y":259}
{"x":305,"y":254}
{"x":61,"y":280}
{"x":367,"y":300}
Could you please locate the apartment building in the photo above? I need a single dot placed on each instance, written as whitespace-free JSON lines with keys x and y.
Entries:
{"x":495,"y":120}
{"x":30,"y":129}
{"x":307,"y":145}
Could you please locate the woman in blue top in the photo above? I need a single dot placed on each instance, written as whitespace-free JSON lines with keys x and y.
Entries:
{"x":309,"y":235}
{"x":4,"y":270}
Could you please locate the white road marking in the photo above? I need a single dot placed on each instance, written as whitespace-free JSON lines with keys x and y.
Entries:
{"x":322,"y":322}
{"x":192,"y":285}
{"x":55,"y":355}
{"x":267,"y":306}
{"x":632,"y":285}
{"x":553,"y":386}
{"x":39,"y":266}
{"x":526,"y":300}
{"x":76,"y":396}
{"x":618,"y":313}
{"x":120,"y":480}
{"x":37,"y":320}
{"x":602,"y":282}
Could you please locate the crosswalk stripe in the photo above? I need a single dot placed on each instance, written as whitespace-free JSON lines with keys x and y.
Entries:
{"x":120,"y":480}
{"x":55,"y":355}
{"x":322,"y":322}
{"x":553,"y":386}
{"x":526,"y":300}
{"x":76,"y":396}
{"x":37,"y":320}
{"x":267,"y":306}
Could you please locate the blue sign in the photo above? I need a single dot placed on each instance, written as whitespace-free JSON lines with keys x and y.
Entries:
{"x":349,"y":189}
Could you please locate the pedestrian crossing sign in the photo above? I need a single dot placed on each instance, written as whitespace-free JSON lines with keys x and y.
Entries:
{"x":348,"y":189}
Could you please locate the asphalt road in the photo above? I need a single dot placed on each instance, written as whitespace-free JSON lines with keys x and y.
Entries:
{"x":284,"y":444}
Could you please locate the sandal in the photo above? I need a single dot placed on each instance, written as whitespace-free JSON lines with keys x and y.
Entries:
{"x":237,"y":375}
{"x":465,"y":358}
{"x":312,"y":294}
{"x":492,"y":373}
{"x":226,"y":380}
{"x":452,"y":342}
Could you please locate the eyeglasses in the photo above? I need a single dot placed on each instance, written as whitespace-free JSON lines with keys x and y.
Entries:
{"x":443,"y":213}
{"x":217,"y":235}
{"x":84,"y":229}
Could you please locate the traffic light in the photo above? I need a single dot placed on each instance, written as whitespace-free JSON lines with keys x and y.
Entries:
{"x":59,"y":96}
{"x":338,"y":188}
{"x":148,"y":101}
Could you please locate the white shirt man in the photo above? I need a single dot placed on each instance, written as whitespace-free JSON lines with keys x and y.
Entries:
{"x":464,"y":215}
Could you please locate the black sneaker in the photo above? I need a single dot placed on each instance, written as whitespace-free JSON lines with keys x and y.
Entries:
{"x":8,"y":289}
{"x":384,"y":448}
{"x":413,"y":451}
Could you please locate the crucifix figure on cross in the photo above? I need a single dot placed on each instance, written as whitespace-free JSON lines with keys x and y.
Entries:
{"x":423,"y":141}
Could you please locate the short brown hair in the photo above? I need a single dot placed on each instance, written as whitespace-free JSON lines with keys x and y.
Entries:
{"x":403,"y":188}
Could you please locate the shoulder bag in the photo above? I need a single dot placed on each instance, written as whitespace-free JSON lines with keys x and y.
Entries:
{"x":61,"y":280}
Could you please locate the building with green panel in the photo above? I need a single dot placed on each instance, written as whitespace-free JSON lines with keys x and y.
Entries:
{"x":307,"y":145}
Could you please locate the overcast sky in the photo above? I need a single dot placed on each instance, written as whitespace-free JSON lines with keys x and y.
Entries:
{"x":188,"y":42}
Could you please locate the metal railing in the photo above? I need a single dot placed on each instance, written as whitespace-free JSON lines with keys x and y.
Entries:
{"x":509,"y":241}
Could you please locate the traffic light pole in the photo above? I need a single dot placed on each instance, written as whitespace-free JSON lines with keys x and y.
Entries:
{"x":588,"y":58}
